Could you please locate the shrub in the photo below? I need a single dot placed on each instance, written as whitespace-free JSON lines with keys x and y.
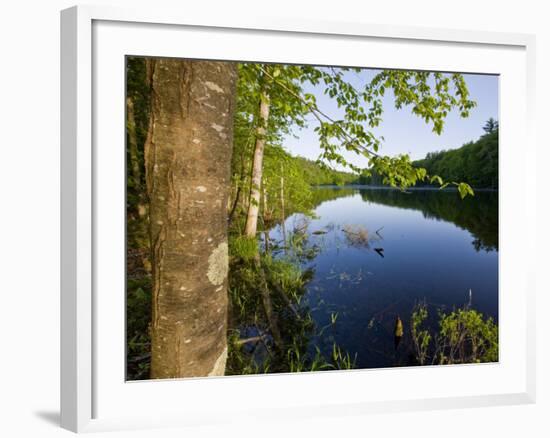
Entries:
{"x":464,"y":336}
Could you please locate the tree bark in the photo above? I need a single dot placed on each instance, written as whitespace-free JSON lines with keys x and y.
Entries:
{"x":188,"y":155}
{"x":257,"y":167}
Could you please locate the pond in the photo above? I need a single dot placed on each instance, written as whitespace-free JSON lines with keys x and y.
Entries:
{"x":377,"y":252}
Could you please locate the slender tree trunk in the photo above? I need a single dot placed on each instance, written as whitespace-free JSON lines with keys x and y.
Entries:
{"x":266,"y":241}
{"x":188,"y":155}
{"x":257,"y":167}
{"x":234,"y":206}
{"x":266,"y":215}
{"x":253,"y":210}
{"x":283,"y":225}
{"x":240,"y":185}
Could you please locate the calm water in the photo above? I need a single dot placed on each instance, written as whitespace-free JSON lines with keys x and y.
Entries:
{"x":430,"y":245}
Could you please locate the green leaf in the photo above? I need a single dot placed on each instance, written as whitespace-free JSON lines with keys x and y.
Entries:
{"x":465,"y":190}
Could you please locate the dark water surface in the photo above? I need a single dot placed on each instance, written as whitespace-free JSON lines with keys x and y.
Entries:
{"x":430,"y":245}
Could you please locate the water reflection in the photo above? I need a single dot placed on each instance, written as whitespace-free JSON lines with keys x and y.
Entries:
{"x":478,"y":215}
{"x":377,"y":252}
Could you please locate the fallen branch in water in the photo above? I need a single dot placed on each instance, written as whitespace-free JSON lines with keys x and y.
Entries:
{"x":251,"y":339}
{"x":357,"y":235}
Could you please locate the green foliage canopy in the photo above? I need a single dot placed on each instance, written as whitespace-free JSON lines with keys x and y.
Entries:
{"x":475,"y":163}
{"x":429,"y":95}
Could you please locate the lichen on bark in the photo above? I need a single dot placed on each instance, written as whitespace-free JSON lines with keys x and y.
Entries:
{"x":218,"y":264}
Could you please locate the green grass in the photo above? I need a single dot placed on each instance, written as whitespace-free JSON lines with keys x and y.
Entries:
{"x":243,"y":247}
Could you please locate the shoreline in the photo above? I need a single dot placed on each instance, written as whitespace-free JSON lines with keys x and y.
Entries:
{"x":368,"y":187}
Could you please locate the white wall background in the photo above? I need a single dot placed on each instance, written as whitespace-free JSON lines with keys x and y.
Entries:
{"x":29,"y":216}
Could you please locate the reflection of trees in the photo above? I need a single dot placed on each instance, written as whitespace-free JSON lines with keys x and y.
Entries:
{"x":478,"y":214}
{"x":322,"y":194}
{"x":316,"y":195}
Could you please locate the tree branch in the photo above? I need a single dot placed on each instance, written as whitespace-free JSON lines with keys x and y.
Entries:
{"x":318,"y":113}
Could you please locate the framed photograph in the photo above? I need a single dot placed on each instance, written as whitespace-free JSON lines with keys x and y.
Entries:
{"x":340,"y":212}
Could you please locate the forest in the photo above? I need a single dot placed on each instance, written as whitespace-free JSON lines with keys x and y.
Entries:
{"x":221,"y":256}
{"x":475,"y":162}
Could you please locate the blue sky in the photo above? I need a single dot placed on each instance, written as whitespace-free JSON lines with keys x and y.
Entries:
{"x":404,"y":132}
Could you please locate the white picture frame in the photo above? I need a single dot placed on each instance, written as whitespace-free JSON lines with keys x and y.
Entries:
{"x":93,"y":39}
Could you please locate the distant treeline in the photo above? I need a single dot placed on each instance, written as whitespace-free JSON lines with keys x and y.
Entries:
{"x":475,"y":163}
{"x":317,"y":175}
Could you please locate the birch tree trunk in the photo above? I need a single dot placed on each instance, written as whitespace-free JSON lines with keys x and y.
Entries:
{"x":188,"y":155}
{"x":257,"y":167}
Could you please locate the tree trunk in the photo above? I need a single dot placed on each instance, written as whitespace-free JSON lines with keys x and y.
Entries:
{"x":188,"y":155}
{"x":257,"y":165}
{"x":283,"y":225}
{"x":234,"y":206}
{"x":266,"y":215}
